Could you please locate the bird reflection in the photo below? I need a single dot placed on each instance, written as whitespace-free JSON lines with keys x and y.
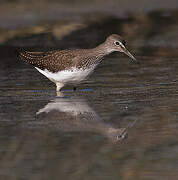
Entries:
{"x":73,"y":114}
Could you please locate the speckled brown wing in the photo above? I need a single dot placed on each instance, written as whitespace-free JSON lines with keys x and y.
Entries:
{"x":53,"y":61}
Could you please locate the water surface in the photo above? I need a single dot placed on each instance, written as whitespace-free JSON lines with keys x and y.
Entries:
{"x":121,"y":123}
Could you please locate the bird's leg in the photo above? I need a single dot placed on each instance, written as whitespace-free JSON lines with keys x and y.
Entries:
{"x":75,"y":88}
{"x":59,"y":86}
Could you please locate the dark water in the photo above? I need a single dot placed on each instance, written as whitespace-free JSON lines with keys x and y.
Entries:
{"x":121,"y":123}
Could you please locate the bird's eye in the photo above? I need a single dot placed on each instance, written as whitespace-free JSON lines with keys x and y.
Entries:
{"x":117,"y":43}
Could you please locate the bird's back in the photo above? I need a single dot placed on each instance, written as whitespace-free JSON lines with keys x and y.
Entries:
{"x":53,"y":61}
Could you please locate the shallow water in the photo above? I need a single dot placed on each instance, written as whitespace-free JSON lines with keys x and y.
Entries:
{"x":121,"y":123}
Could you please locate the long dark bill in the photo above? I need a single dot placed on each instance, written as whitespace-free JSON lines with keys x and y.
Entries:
{"x":129,"y":54}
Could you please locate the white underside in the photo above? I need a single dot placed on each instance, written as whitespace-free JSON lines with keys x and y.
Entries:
{"x":72,"y":76}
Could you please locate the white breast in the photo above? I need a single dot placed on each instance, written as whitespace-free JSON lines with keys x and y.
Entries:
{"x":73,"y":75}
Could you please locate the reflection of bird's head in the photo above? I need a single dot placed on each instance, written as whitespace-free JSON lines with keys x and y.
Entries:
{"x":117,"y":134}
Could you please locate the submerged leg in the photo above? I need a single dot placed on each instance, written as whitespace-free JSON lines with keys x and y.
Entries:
{"x":59,"y":94}
{"x":59,"y":86}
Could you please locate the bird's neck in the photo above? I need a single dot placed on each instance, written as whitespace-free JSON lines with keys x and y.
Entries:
{"x":102,"y":49}
{"x":94,"y":56}
{"x":97,"y":53}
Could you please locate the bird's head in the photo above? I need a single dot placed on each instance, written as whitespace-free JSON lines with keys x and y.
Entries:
{"x":117,"y":43}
